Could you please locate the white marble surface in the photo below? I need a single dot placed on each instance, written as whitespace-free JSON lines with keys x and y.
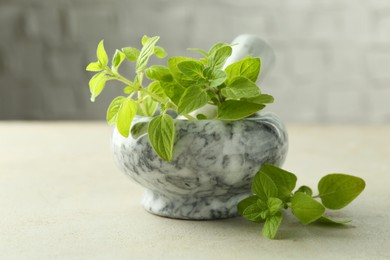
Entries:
{"x":62,"y":197}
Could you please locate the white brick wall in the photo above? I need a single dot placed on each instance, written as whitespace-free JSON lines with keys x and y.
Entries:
{"x":332,"y":56}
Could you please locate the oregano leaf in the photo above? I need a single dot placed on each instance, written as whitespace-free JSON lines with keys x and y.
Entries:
{"x":125,"y":116}
{"x":193,"y":98}
{"x":113,"y":109}
{"x":161,"y":131}
{"x":305,"y":208}
{"x":235,"y":109}
{"x":263,"y":186}
{"x":271,"y":225}
{"x":338,"y":190}
{"x":101,"y":54}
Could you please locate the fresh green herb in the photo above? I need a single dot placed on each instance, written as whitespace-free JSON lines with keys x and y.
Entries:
{"x":184,"y":85}
{"x":272,"y":190}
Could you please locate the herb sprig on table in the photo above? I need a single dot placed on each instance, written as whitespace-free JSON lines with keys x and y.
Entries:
{"x":272,"y":190}
{"x":184,"y":85}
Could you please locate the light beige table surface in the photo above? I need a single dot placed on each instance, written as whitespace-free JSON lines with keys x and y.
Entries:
{"x":62,"y":197}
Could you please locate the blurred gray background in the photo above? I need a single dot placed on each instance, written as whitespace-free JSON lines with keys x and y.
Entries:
{"x":333,"y":56}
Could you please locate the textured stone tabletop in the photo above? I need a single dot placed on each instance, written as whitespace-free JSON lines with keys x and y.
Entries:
{"x":62,"y":197}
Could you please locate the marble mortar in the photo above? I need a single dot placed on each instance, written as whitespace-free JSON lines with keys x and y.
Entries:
{"x":212,"y":168}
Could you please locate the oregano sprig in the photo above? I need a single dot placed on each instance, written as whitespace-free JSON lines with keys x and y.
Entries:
{"x":272,"y":190}
{"x":184,"y":85}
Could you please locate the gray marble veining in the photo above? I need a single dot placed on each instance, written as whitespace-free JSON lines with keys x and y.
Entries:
{"x":212,"y":167}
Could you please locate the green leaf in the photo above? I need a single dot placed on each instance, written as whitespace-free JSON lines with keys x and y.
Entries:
{"x":253,"y":213}
{"x":263,"y":186}
{"x":182,"y":79}
{"x":305,"y":208}
{"x":217,"y":78}
{"x":243,"y":204}
{"x":338,"y":190}
{"x":201,"y":117}
{"x":161,"y":132}
{"x":240,"y":87}
{"x":215,"y":47}
{"x":274,"y":205}
{"x":157,"y":72}
{"x":94,"y":66}
{"x":173,"y":90}
{"x":260,"y":99}
{"x":145,"y":38}
{"x":247,"y":67}
{"x":234,"y":109}
{"x":131,"y":53}
{"x":125,"y":116}
{"x":155,"y":88}
{"x":147,"y":107}
{"x":101,"y":54}
{"x":327,"y":220}
{"x":284,"y":180}
{"x":113,"y":109}
{"x":146,"y":52}
{"x":139,"y":129}
{"x":218,"y":58}
{"x":193,"y":69}
{"x":117,"y":60}
{"x":97,"y":84}
{"x":160,"y":52}
{"x":305,"y":189}
{"x":193,"y":98}
{"x":271,"y":225}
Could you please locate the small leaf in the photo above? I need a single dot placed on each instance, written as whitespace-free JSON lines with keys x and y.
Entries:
{"x":157,"y":72}
{"x":217,"y":78}
{"x":240,"y":87}
{"x":235,"y":109}
{"x":145,"y":38}
{"x":97,"y":84}
{"x":338,"y":190}
{"x":131,"y":53}
{"x":253,"y":213}
{"x":160,"y":52}
{"x":284,"y":180}
{"x":193,"y":98}
{"x":147,"y":107}
{"x":101,"y":54}
{"x":146,"y":51}
{"x":218,"y":58}
{"x":247,"y":67}
{"x":263,"y":186}
{"x":305,"y":189}
{"x":243,"y":204}
{"x":113,"y":109}
{"x":94,"y":66}
{"x":261,"y":99}
{"x":274,"y":205}
{"x":173,"y":90}
{"x":305,"y":208}
{"x":271,"y":225}
{"x":155,"y":88}
{"x":139,"y":129}
{"x":201,"y":117}
{"x":181,"y":79}
{"x":193,"y":69}
{"x":161,"y":132}
{"x":117,"y":60}
{"x":125,"y":116}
